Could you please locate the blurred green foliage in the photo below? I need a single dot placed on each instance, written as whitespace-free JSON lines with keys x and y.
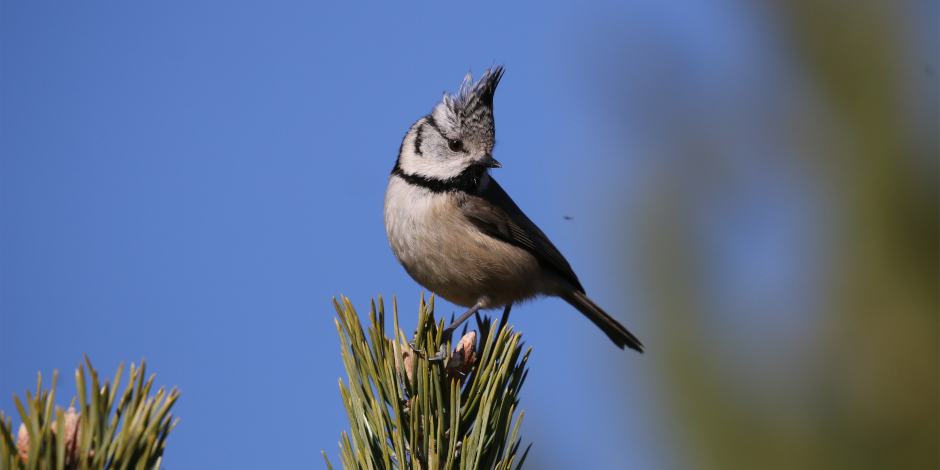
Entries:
{"x":875,"y":376}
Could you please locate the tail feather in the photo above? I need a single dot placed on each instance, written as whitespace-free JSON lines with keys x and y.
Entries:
{"x":617,"y":332}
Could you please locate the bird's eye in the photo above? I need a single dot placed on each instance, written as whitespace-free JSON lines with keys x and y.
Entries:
{"x":455,"y":145}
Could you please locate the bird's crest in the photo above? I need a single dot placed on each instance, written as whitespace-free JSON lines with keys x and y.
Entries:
{"x":472,"y":94}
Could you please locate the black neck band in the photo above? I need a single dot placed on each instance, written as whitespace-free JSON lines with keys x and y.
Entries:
{"x":467,"y":181}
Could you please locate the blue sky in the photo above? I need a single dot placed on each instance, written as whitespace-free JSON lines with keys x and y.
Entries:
{"x":193,"y":182}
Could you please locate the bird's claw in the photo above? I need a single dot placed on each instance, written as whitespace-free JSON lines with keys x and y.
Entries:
{"x":439,"y":357}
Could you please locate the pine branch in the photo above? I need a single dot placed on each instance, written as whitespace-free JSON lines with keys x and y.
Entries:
{"x":408,"y":413}
{"x":93,"y":438}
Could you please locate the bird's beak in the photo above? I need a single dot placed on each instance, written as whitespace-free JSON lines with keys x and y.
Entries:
{"x":490,"y":162}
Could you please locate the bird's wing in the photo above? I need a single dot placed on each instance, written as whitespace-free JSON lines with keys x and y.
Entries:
{"x":499,"y":217}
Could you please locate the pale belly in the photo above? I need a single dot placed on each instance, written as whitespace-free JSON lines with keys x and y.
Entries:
{"x":448,"y":255}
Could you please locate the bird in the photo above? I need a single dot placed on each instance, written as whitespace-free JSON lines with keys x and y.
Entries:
{"x":456,"y":231}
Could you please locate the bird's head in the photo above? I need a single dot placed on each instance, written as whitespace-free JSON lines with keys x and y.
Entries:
{"x":455,"y":141}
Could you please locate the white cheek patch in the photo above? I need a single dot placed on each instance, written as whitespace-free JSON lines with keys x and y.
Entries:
{"x":431,"y":167}
{"x":435,"y":160}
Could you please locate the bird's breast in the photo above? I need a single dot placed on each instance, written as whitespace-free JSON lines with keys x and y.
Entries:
{"x":447,"y":254}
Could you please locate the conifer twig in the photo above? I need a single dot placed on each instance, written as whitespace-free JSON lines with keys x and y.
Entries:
{"x":408,"y":413}
{"x":134,"y":437}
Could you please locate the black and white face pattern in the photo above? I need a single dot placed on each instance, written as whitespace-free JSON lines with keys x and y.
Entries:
{"x":451,"y":148}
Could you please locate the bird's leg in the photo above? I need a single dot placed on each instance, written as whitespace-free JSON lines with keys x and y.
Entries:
{"x":505,"y":318}
{"x":445,"y":335}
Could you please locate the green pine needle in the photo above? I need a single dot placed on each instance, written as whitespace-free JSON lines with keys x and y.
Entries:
{"x":426,"y":421}
{"x":134,"y":437}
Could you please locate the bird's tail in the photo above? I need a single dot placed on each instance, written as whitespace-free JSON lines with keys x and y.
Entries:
{"x":617,"y":332}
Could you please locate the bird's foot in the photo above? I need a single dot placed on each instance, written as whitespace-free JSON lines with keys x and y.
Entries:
{"x":441,"y":353}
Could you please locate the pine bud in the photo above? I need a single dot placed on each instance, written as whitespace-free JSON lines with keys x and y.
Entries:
{"x":73,"y":437}
{"x":22,"y":442}
{"x":464,"y":356}
{"x":405,"y":363}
